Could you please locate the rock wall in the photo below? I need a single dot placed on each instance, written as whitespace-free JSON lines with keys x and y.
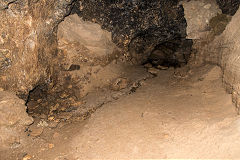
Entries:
{"x":137,"y":26}
{"x":28,"y":47}
{"x":85,"y":49}
{"x":28,"y":41}
{"x":220,"y":45}
{"x":229,"y":49}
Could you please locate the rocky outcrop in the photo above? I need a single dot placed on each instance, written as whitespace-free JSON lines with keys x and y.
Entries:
{"x":13,"y":121}
{"x":84,"y":51}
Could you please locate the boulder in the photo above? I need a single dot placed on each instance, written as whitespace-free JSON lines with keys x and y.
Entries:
{"x":13,"y":121}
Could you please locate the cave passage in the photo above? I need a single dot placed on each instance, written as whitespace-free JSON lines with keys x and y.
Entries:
{"x":120,"y":79}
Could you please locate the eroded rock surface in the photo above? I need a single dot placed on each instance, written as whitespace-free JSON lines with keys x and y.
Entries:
{"x":198,"y":15}
{"x":28,"y":42}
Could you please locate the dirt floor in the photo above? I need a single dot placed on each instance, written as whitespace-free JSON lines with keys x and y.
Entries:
{"x":177,"y":114}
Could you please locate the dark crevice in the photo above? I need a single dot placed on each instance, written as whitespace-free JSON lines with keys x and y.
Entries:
{"x":174,"y":53}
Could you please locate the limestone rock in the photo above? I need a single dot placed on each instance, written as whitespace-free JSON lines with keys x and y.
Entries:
{"x":84,"y":37}
{"x":85,"y":44}
{"x":28,"y":42}
{"x":198,"y":14}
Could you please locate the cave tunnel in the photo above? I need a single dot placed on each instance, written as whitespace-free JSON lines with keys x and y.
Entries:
{"x":119,"y":79}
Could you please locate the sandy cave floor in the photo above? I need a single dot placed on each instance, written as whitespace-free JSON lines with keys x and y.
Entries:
{"x":167,"y":117}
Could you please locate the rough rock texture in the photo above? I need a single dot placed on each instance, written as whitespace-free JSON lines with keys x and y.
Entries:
{"x":86,"y":36}
{"x":198,"y":15}
{"x":137,"y":26}
{"x":205,"y":22}
{"x":28,"y":29}
{"x":91,"y":72}
{"x":28,"y":41}
{"x":85,"y":51}
{"x":228,"y":47}
{"x":228,"y":6}
{"x":13,"y":120}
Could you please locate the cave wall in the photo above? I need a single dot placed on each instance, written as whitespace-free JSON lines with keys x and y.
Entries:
{"x":28,"y":41}
{"x":219,"y":44}
{"x":137,"y":26}
{"x":31,"y":57}
{"x":228,"y":45}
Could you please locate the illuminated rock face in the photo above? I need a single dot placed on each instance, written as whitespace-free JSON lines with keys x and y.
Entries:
{"x":28,"y":42}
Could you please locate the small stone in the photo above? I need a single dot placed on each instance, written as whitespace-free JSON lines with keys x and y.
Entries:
{"x":52,"y":124}
{"x":148,"y":65}
{"x":51,"y":118}
{"x":153,"y":71}
{"x":27,"y":157}
{"x":36,"y":131}
{"x":39,"y":100}
{"x":208,"y":6}
{"x":1,"y":89}
{"x":50,"y":145}
{"x":162,"y":67}
{"x":42,"y":123}
{"x":119,"y":84}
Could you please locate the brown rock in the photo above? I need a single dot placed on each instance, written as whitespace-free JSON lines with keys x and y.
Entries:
{"x":35,"y":131}
{"x":162,"y":67}
{"x":148,"y":65}
{"x":153,"y":71}
{"x":27,"y":157}
{"x":119,"y":84}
